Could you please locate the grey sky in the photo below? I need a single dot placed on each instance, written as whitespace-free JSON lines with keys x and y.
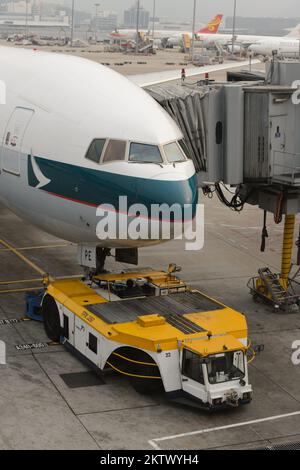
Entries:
{"x":182,"y":9}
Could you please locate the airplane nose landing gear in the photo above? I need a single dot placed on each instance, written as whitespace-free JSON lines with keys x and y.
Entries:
{"x":93,"y":258}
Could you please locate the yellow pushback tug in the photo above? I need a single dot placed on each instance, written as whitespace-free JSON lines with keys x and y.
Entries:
{"x":152,"y":328}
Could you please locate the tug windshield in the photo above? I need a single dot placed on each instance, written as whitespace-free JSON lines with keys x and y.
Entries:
{"x":225,"y":367}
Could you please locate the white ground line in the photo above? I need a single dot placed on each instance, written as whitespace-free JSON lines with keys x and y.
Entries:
{"x":154,"y":444}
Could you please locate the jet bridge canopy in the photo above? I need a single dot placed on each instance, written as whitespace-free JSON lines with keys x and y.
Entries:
{"x":187,"y":105}
{"x":210,"y":117}
{"x":239,"y":133}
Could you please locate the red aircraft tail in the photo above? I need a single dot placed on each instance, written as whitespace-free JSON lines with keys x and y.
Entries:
{"x":213,"y":26}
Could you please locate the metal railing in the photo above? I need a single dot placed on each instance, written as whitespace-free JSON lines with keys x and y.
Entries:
{"x":286,"y":168}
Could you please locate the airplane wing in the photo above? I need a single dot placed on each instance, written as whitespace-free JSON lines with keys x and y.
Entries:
{"x":157,"y":78}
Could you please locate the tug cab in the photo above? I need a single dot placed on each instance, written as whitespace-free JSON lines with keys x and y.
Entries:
{"x":217,"y":379}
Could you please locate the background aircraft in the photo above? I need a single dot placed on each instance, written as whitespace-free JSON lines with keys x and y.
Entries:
{"x":211,"y":28}
{"x":245,"y":39}
{"x":287,"y":47}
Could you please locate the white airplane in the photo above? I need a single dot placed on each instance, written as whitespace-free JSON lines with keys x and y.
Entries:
{"x":285,"y":47}
{"x":246,"y":40}
{"x":77,"y":135}
{"x":211,"y":28}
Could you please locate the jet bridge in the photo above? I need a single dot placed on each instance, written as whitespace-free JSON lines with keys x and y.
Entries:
{"x":239,"y":133}
{"x":211,"y":117}
{"x":244,"y":134}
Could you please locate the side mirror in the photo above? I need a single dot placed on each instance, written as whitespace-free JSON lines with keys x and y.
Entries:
{"x":173,"y":268}
{"x":259,"y":348}
{"x":205,"y":360}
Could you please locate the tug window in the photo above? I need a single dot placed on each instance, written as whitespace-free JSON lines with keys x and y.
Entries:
{"x":66,"y":327}
{"x":93,"y":343}
{"x":174,"y":153}
{"x":143,"y":153}
{"x":192,"y":366}
{"x":115,"y":150}
{"x":95,"y":151}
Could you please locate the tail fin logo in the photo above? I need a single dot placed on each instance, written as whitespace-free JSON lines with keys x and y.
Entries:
{"x":35,"y":176}
{"x":213,"y":25}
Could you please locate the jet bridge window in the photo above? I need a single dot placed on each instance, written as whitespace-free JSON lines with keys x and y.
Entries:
{"x":143,"y":153}
{"x":115,"y":151}
{"x":95,"y":150}
{"x":192,"y":366}
{"x":174,"y":153}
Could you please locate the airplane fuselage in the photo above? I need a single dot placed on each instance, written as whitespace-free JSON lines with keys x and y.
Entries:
{"x":286,"y":47}
{"x":225,"y":39}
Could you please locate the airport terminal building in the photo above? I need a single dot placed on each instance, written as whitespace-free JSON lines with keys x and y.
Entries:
{"x":45,"y":27}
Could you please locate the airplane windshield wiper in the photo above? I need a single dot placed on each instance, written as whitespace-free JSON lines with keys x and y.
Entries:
{"x":147,"y":163}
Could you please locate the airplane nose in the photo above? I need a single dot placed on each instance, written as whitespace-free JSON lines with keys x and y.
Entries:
{"x":170,"y":193}
{"x":253,"y":48}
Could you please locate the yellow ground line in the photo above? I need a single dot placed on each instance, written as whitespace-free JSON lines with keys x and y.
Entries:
{"x":21,"y":281}
{"x":41,"y":247}
{"x":14,"y":291}
{"x":23,"y":257}
{"x":28,"y":289}
{"x":34,"y":266}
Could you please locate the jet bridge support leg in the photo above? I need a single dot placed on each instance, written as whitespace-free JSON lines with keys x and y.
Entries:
{"x":287,"y":249}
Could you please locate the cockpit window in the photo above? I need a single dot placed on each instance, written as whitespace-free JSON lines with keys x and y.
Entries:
{"x":174,"y":153}
{"x":184,"y":148}
{"x":95,"y":150}
{"x":144,"y":153}
{"x":115,"y":150}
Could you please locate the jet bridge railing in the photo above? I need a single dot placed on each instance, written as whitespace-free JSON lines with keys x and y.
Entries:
{"x":286,"y":168}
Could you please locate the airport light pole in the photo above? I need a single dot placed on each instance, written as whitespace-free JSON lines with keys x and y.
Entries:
{"x":72,"y":20}
{"x":138,"y":6}
{"x":26,"y":20}
{"x":154,"y":13}
{"x":193,"y":31}
{"x":233,"y":27}
{"x":97,"y":5}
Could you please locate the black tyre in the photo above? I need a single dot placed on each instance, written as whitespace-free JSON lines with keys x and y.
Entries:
{"x":51,"y":318}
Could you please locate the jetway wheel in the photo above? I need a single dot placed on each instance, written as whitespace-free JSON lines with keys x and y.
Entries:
{"x":51,"y":318}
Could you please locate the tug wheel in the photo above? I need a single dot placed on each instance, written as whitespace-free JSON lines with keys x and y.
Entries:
{"x":51,"y":318}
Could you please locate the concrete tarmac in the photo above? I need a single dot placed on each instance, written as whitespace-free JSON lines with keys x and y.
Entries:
{"x":39,"y":411}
